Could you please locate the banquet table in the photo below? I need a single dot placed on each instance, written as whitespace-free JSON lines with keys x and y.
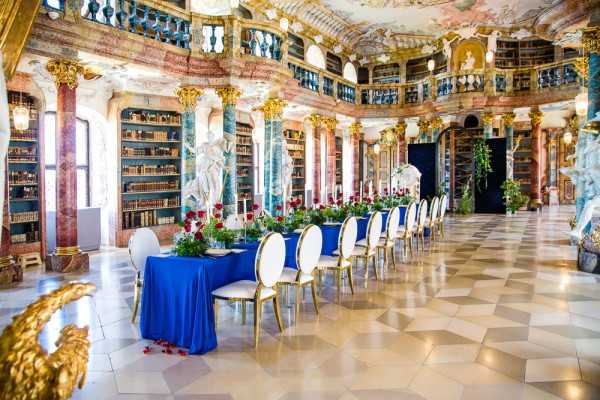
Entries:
{"x":176,"y":298}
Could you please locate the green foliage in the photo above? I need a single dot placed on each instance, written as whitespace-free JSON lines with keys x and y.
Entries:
{"x":358,"y":209}
{"x":513,"y":198}
{"x":315,"y":216}
{"x":186,"y":245}
{"x":465,"y":206}
{"x":482,"y":161}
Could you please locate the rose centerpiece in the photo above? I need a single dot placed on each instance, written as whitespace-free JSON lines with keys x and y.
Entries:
{"x":191,"y":241}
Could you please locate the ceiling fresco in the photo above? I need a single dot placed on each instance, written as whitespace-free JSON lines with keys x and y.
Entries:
{"x":371,"y":27}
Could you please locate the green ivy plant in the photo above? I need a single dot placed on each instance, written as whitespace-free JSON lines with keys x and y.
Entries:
{"x":483,"y":163}
{"x":513,"y":198}
{"x":465,"y":206}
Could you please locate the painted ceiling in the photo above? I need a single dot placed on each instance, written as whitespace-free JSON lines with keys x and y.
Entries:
{"x":370,"y":27}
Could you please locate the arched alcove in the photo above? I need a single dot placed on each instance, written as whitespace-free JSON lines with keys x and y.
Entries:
{"x":314,"y":56}
{"x":350,"y":72}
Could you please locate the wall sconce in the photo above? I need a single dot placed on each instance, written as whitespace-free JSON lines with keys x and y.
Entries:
{"x":431,"y":64}
{"x":489,"y":56}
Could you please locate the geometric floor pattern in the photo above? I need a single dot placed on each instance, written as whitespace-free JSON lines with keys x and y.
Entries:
{"x":496,"y":310}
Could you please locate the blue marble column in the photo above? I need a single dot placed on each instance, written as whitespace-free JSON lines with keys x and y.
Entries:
{"x":274,"y":146}
{"x":229,"y":96}
{"x":508,"y":120}
{"x":488,"y":128}
{"x":188,"y":96}
{"x":267,"y":169}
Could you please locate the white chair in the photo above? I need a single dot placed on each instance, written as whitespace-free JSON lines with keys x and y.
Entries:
{"x":342,"y":259}
{"x":269,"y":266}
{"x":387,"y":242}
{"x":407,"y":231}
{"x":443,"y":208}
{"x":142,"y":244}
{"x":368,"y":246}
{"x":308,"y":252}
{"x":421,"y":217}
{"x":431,"y":221}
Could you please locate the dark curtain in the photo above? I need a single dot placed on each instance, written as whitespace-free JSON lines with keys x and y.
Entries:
{"x":489,"y":200}
{"x":423,"y":157}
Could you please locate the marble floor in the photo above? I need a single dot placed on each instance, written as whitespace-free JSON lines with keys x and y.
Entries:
{"x":497,"y":310}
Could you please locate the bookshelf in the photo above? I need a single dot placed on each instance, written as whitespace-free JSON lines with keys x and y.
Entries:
{"x":339,"y":144}
{"x":296,"y":146}
{"x":463,"y":159}
{"x":334,"y":64}
{"x":244,"y":164}
{"x":523,"y":53}
{"x":387,"y":73}
{"x":522,"y":160}
{"x":295,"y":46}
{"x":416,"y":69}
{"x":149,"y":172}
{"x":362,"y":75}
{"x":25,"y":189}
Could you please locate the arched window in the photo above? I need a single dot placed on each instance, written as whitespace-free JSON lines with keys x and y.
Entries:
{"x":82,"y":159}
{"x":350,"y":72}
{"x":314,"y":56}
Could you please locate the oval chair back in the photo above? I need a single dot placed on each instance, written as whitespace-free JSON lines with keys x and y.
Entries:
{"x":347,"y":237}
{"x":270,"y":258}
{"x":422,"y":214}
{"x":443,"y":207}
{"x":308,"y":250}
{"x":142,"y":244}
{"x":411,"y":217}
{"x":432,"y":209}
{"x":392,"y":224}
{"x":374,"y":230}
{"x":435,"y":206}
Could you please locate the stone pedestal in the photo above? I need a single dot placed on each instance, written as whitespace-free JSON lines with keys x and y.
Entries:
{"x":11,"y":273}
{"x":70,"y":263}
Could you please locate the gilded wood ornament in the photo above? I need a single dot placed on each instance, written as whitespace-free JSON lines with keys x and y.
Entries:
{"x":536,"y":117}
{"x":188,"y":96}
{"x":273,"y":108}
{"x":229,"y":95}
{"x":315,"y":120}
{"x":487,"y":118}
{"x":591,"y":40}
{"x":436,"y":122}
{"x":27,"y":371}
{"x":423,"y":125}
{"x":330,"y":123}
{"x":355,"y":129}
{"x":400,"y":128}
{"x":582,"y":65}
{"x":508,"y":118}
{"x":65,"y":72}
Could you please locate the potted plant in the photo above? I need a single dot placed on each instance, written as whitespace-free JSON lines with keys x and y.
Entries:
{"x":465,"y":206}
{"x":513,"y":198}
{"x":482,"y":162}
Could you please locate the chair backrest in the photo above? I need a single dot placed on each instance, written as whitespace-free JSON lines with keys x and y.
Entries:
{"x":392,"y":223}
{"x":347,"y":237}
{"x":308,"y":249}
{"x":431,"y":213}
{"x":434,"y":210}
{"x":411,"y":216}
{"x":443,"y":206}
{"x":422,"y":213}
{"x":142,"y":244}
{"x":270,"y":258}
{"x":374,"y":230}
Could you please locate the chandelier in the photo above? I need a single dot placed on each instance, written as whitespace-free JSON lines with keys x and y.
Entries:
{"x":21,"y":116}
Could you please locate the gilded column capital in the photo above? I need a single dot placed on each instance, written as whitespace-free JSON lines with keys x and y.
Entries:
{"x":423,"y":125}
{"x":591,"y":39}
{"x":315,"y":120}
{"x":400,"y":129}
{"x":536,"y":117}
{"x":573,"y":123}
{"x":436,"y":122}
{"x":355,"y":129}
{"x":487,"y":118}
{"x":582,"y":65}
{"x":330,"y":123}
{"x":188,"y":96}
{"x":65,"y":71}
{"x":508,"y":118}
{"x":229,"y":95}
{"x":273,"y":108}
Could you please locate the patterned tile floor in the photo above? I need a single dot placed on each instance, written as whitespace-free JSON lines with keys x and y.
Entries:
{"x":495,"y":311}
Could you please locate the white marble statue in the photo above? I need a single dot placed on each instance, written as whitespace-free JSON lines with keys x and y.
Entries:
{"x":492,"y":41}
{"x":407,"y":176}
{"x":591,"y":209}
{"x":447,"y":45}
{"x":287,"y":169}
{"x":469,"y":62}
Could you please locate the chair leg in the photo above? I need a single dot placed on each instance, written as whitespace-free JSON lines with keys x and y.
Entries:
{"x":277,"y":313}
{"x":375,"y":259}
{"x":257,"y":317}
{"x":339,"y":282}
{"x":314,"y":296}
{"x":350,"y":281}
{"x":243,"y":312}
{"x":216,"y":311}
{"x":366,"y":263}
{"x":136,"y":299}
{"x":298,"y":300}
{"x":394,"y":258}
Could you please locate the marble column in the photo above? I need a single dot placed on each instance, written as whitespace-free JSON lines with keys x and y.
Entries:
{"x":355,"y":128}
{"x":536,"y":157}
{"x":436,"y":124}
{"x":315,"y":120}
{"x":488,"y":128}
{"x":229,"y":96}
{"x":67,"y":256}
{"x":401,"y":141}
{"x":330,"y":126}
{"x":11,"y":273}
{"x":274,"y":146}
{"x":436,"y":128}
{"x":188,"y":97}
{"x":423,"y":125}
{"x":508,"y":120}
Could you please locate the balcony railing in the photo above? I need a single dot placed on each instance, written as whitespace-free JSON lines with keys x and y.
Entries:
{"x":213,"y":38}
{"x":460,"y":83}
{"x":308,"y":79}
{"x":346,"y":92}
{"x":261,"y":43}
{"x":557,"y":75}
{"x":141,"y":19}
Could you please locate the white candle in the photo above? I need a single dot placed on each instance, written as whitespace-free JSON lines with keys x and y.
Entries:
{"x":380,"y":187}
{"x":360,"y":191}
{"x":245,"y":210}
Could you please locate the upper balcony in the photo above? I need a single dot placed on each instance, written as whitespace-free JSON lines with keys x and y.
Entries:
{"x":217,"y":50}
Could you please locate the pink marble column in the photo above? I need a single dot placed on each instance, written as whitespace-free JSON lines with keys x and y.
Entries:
{"x":331,"y":165}
{"x":67,"y":256}
{"x":536,"y":158}
{"x":315,"y":121}
{"x":355,"y":162}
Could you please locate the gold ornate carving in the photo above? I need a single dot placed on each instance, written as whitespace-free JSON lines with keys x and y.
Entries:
{"x":582,"y":65}
{"x":574,"y":123}
{"x":26,"y":370}
{"x":508,"y":118}
{"x":536,"y":117}
{"x":67,"y":251}
{"x":65,"y":71}
{"x":273,"y":108}
{"x":355,"y":129}
{"x":591,"y":39}
{"x":229,"y":95}
{"x":16,"y":21}
{"x":436,"y":122}
{"x":188,"y":96}
{"x":487,"y":118}
{"x":315,"y":120}
{"x":330,"y":123}
{"x":423,"y":125}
